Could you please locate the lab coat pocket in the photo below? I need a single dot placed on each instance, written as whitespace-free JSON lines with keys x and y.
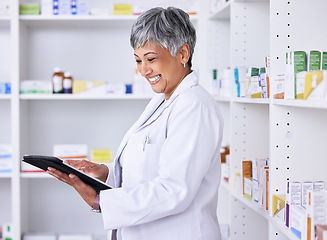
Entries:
{"x":140,"y":163}
{"x":151,"y":159}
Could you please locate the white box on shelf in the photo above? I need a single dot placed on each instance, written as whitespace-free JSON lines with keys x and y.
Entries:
{"x":257,"y":164}
{"x":306,"y":186}
{"x":46,"y":7}
{"x":65,"y":7}
{"x":316,"y":210}
{"x":39,"y":236}
{"x":80,"y":7}
{"x":5,"y":7}
{"x":298,"y":221}
{"x":5,"y":158}
{"x":7,"y":231}
{"x":75,"y":237}
{"x":70,"y":151}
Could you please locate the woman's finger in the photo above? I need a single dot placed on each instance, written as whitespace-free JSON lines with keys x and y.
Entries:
{"x":60,"y":175}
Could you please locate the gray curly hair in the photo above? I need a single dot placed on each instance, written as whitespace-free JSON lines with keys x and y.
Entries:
{"x":169,"y":28}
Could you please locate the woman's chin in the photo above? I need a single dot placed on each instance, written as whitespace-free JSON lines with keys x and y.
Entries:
{"x":156,"y":90}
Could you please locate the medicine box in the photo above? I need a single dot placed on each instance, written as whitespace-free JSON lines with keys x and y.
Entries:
{"x":5,"y":158}
{"x":35,"y":87}
{"x":64,"y":7}
{"x":246,"y":172}
{"x":247,"y":188}
{"x":75,"y":237}
{"x":39,"y":236}
{"x":306,"y":186}
{"x":82,"y":7}
{"x":315,"y":85}
{"x":46,"y":7}
{"x":5,"y":88}
{"x":101,"y":155}
{"x":70,"y":151}
{"x":316,"y":210}
{"x":29,"y":8}
{"x":298,"y":221}
{"x":89,"y":87}
{"x":123,"y":9}
{"x":5,"y":7}
{"x":278,"y":206}
{"x":7,"y":233}
{"x":278,"y":86}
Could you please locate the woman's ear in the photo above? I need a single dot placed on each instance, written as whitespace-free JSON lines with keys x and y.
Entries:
{"x":184,"y":53}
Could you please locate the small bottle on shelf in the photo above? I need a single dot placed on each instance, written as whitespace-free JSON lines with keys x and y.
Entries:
{"x":68,"y":83}
{"x":224,"y":150}
{"x":57,"y":81}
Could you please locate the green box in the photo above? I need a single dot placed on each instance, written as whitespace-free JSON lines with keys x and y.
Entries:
{"x":314,"y":61}
{"x":29,"y":8}
{"x":324,"y":61}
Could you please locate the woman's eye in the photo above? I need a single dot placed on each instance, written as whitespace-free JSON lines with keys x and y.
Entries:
{"x":150,"y":59}
{"x":138,"y":61}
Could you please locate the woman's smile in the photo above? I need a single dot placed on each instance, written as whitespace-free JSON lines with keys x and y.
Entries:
{"x":155,"y":79}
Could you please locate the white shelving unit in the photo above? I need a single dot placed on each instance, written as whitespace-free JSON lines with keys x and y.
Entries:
{"x":5,"y":117}
{"x":289,"y":132}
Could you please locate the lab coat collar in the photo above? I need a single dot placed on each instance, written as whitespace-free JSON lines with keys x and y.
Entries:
{"x":189,"y":81}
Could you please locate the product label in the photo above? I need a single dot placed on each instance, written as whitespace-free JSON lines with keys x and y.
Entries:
{"x":314,"y":60}
{"x":305,"y":187}
{"x":57,"y":84}
{"x":67,"y":83}
{"x":324,"y":61}
{"x":295,"y":192}
{"x":299,"y":64}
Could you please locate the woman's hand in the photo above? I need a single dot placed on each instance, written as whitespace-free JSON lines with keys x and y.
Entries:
{"x":84,"y":190}
{"x":99,"y":171}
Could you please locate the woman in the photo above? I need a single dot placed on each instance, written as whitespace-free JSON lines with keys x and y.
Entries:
{"x":167,"y":169}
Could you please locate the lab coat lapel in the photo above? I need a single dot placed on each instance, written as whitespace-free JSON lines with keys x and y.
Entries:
{"x":150,"y":108}
{"x":156,"y":114}
{"x":189,"y":81}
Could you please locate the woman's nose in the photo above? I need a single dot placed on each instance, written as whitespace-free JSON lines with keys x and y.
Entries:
{"x":144,"y":69}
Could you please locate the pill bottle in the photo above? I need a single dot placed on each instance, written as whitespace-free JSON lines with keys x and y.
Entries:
{"x":224,"y":151}
{"x":57,"y":81}
{"x":68,"y":83}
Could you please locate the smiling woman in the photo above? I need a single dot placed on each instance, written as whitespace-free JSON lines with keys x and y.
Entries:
{"x":163,"y":48}
{"x":166,"y":173}
{"x":163,"y":71}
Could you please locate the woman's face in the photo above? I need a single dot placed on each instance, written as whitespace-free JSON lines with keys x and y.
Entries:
{"x":163,"y":71}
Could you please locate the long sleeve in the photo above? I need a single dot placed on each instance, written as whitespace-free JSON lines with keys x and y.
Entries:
{"x":111,"y":180}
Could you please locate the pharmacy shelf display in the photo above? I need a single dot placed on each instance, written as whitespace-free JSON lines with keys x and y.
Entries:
{"x":239,"y":33}
{"x":91,"y":48}
{"x":289,"y":132}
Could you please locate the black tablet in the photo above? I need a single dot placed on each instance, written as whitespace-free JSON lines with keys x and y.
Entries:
{"x":43,"y":162}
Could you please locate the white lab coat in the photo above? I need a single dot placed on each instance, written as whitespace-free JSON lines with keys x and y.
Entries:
{"x":167,"y":186}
